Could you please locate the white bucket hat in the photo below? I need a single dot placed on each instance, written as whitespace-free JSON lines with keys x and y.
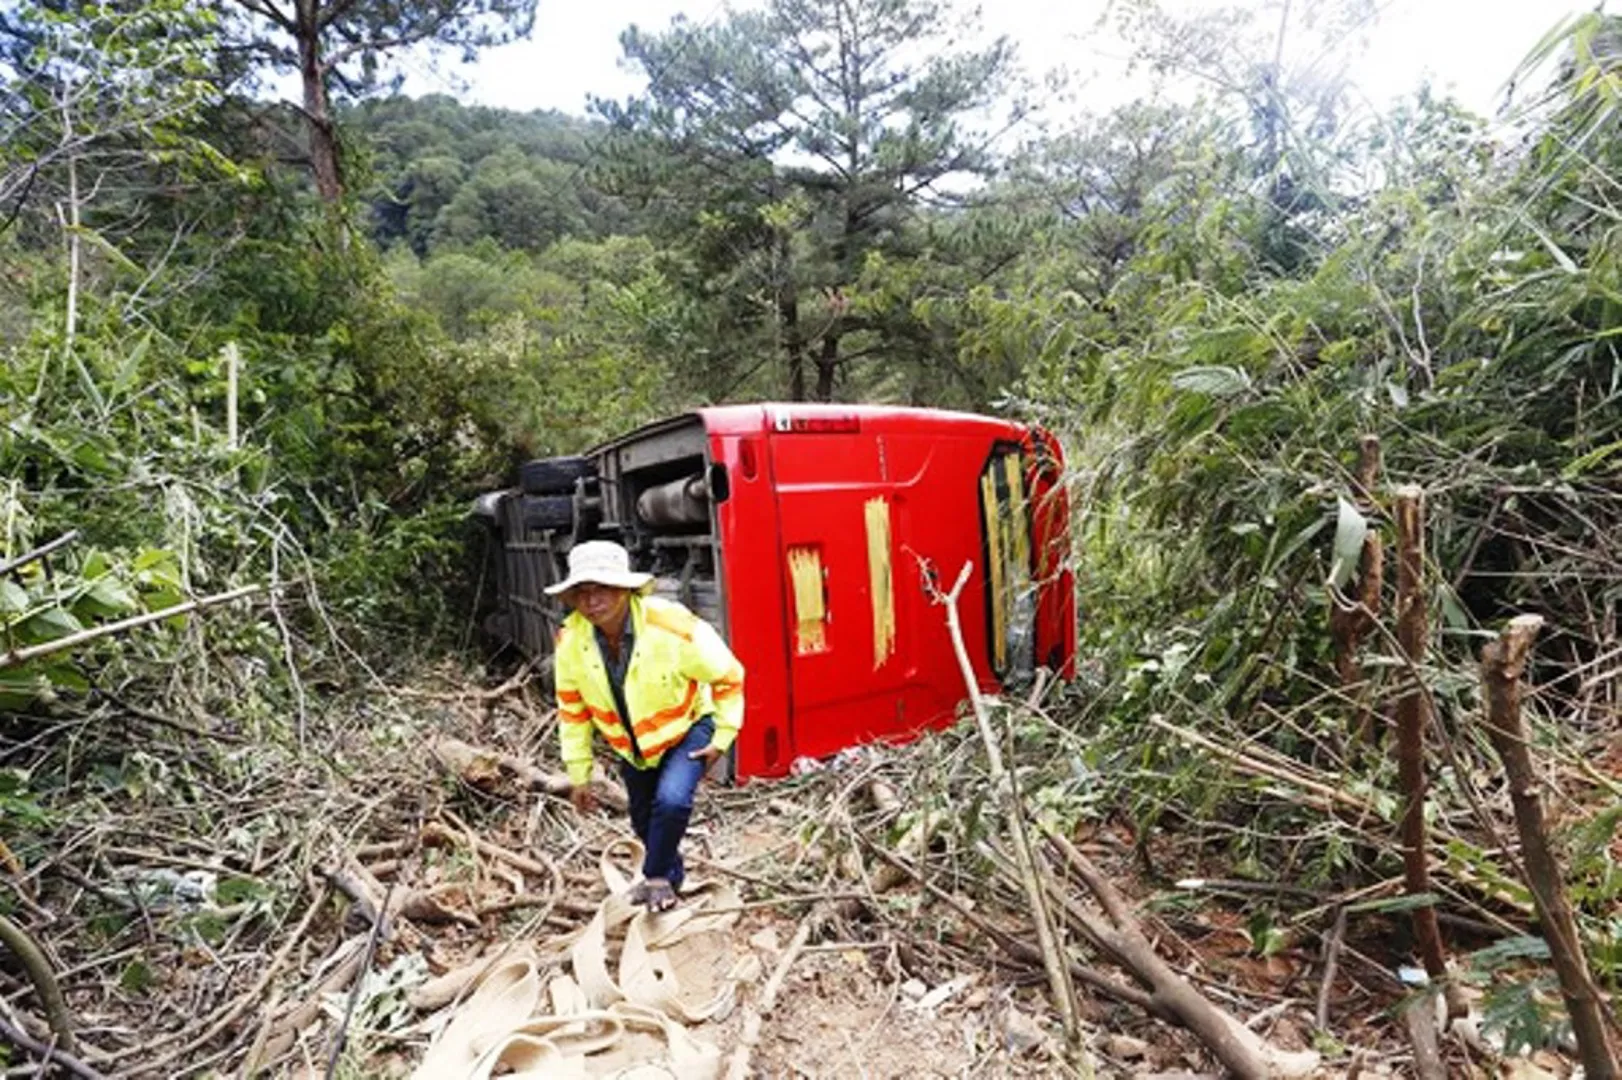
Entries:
{"x":601,"y":562}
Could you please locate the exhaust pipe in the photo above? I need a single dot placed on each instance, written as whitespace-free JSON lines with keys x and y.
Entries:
{"x":679,"y":502}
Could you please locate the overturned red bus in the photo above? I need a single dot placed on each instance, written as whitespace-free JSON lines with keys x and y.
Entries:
{"x":804,"y":533}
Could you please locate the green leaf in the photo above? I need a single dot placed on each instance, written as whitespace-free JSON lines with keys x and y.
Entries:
{"x":1453,"y":612}
{"x":52,"y":623}
{"x":66,"y":676}
{"x":13,"y":597}
{"x":239,"y":890}
{"x":1501,"y":954}
{"x":136,"y":978}
{"x":1393,"y":904}
{"x":1578,"y":466}
{"x":111,"y":597}
{"x":1217,"y":381}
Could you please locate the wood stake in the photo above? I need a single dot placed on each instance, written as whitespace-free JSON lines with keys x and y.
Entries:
{"x":1413,"y":717}
{"x":1502,"y":664}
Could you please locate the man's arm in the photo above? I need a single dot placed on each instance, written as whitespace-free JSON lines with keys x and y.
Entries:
{"x":574,"y":722}
{"x":710,"y":661}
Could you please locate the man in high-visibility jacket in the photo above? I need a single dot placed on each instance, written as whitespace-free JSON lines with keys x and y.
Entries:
{"x":661,"y":688}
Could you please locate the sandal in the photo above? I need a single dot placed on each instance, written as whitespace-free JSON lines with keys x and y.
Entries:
{"x":658,"y":895}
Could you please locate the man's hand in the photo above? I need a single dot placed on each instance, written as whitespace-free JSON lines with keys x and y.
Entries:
{"x":582,"y":798}
{"x":707,"y":755}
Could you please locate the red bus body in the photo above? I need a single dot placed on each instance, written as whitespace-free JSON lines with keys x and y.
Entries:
{"x":826,"y":527}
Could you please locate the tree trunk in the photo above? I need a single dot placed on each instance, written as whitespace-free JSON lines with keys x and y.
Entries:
{"x":1413,"y":716}
{"x":317,"y":110}
{"x":788,"y":320}
{"x":1502,"y":663}
{"x":828,"y":363}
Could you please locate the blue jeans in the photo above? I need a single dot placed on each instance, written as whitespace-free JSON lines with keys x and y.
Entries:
{"x":661,"y":802}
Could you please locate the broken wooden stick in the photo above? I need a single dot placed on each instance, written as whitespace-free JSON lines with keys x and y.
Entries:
{"x":46,"y":648}
{"x":1054,"y":960}
{"x":43,"y":976}
{"x":796,"y":945}
{"x":1502,"y":664}
{"x":47,"y":1053}
{"x":1413,"y":717}
{"x":1246,"y":1054}
{"x":483,"y":768}
{"x":1018,"y":948}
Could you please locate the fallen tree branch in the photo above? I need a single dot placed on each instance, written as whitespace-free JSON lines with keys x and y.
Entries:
{"x":1019,"y":950}
{"x":372,"y":939}
{"x":438,"y":834}
{"x":774,"y":983}
{"x":1005,"y":795}
{"x":1245,"y":1053}
{"x":483,"y":768}
{"x":278,"y":1033}
{"x":38,"y":553}
{"x":46,"y":648}
{"x":1320,"y":795}
{"x":43,"y":976}
{"x":47,"y":1053}
{"x":1332,"y":947}
{"x":234,"y":1012}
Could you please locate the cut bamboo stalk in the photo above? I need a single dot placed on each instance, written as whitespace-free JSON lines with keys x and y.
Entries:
{"x":46,"y":648}
{"x":1413,"y":717}
{"x":1502,"y":664}
{"x":1348,"y":626}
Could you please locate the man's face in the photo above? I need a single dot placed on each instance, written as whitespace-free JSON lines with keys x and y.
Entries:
{"x":604,"y":606}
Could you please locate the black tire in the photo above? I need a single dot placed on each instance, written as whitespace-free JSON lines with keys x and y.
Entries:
{"x":553,"y":476}
{"x":549,"y":511}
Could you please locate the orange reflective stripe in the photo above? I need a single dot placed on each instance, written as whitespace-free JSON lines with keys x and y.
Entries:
{"x":654,"y":721}
{"x":569,"y":697}
{"x":722,"y":691}
{"x":574,"y":716}
{"x":617,"y":738}
{"x":652,"y":753}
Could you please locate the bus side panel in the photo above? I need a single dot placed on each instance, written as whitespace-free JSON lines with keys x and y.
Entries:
{"x":869,"y":655}
{"x":753,"y":588}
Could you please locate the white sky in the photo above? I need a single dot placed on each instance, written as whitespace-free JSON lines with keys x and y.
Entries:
{"x":1467,"y":46}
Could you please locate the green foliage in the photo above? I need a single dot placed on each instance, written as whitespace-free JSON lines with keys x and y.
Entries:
{"x":802,"y":140}
{"x":448,"y":177}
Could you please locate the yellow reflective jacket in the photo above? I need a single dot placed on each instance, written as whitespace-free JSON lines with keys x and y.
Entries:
{"x":680,"y":672}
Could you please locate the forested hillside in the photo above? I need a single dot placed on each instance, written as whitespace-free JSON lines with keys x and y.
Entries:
{"x":1339,"y":390}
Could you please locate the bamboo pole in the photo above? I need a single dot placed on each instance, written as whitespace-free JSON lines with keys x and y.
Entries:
{"x":1349,"y":625}
{"x":1502,"y":664}
{"x":46,"y":648}
{"x":1413,"y":716}
{"x":233,"y":358}
{"x":1053,"y":957}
